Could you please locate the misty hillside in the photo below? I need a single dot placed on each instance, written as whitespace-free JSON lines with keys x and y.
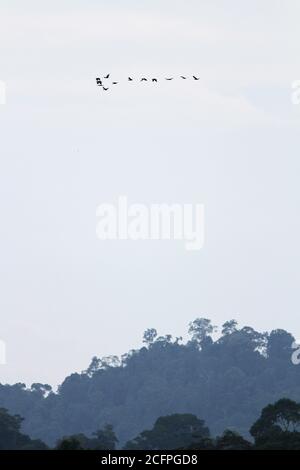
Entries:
{"x":225,"y":382}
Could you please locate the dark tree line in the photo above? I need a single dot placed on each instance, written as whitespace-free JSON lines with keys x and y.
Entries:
{"x":11,"y":437}
{"x":277,"y":428}
{"x":225,"y":381}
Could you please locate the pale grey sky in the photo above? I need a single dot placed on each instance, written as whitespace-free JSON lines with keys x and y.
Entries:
{"x":230,"y":141}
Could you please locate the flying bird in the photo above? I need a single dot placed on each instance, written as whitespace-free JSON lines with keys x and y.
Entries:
{"x":144,"y":80}
{"x":184,"y":78}
{"x":130,"y":79}
{"x":115,"y":83}
{"x":154,"y":79}
{"x":107,"y":76}
{"x":169,"y":78}
{"x":105,"y":89}
{"x":195,"y":78}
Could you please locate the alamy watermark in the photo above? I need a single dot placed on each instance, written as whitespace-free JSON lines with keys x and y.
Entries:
{"x":124,"y":221}
{"x":296,"y":354}
{"x":2,"y":352}
{"x":2,"y":92}
{"x":295,"y":96}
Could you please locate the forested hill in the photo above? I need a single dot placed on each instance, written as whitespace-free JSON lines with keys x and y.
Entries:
{"x":225,"y":382}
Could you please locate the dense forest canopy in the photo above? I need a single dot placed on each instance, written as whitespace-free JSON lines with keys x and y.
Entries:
{"x":277,"y":428}
{"x":225,"y":382}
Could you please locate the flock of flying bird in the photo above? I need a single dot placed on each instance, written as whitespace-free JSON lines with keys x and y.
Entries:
{"x":102,"y":82}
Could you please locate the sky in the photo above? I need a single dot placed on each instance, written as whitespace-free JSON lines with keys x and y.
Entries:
{"x":229,"y":141}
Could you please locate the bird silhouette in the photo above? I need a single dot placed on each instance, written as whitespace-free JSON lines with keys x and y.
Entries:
{"x":143,"y":79}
